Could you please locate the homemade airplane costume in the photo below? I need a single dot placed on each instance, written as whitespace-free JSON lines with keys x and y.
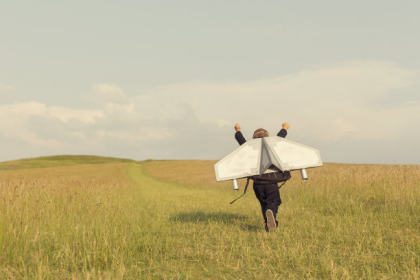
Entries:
{"x":256,"y":156}
{"x":267,"y":161}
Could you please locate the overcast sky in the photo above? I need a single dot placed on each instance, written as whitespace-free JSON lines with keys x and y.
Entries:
{"x":169,"y":79}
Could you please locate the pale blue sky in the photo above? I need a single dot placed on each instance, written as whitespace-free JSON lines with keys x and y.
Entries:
{"x":168,"y":79}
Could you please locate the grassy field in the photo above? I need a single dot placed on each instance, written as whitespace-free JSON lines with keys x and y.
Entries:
{"x":103,"y":218}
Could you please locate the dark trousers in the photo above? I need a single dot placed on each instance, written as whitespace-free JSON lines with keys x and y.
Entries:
{"x":269,"y":197}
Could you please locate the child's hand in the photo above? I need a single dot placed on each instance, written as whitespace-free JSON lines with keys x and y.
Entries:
{"x":285,"y":125}
{"x":237,"y":127}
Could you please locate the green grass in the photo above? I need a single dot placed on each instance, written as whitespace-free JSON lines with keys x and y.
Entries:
{"x":53,"y":161}
{"x":170,"y":220}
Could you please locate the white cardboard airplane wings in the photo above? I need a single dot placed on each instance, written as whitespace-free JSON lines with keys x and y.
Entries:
{"x":256,"y":156}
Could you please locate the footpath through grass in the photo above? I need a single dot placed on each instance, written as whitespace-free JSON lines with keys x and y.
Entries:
{"x":170,"y":220}
{"x":347,"y":222}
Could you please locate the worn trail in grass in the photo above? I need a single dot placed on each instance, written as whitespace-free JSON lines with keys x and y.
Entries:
{"x":324,"y":233}
{"x":195,"y":233}
{"x":170,"y":220}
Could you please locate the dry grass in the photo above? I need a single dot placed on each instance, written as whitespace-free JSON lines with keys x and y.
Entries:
{"x":347,"y":221}
{"x":53,"y":219}
{"x":170,"y":220}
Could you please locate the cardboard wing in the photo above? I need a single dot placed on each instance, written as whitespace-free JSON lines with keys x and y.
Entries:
{"x":290,"y":155}
{"x":255,"y":157}
{"x":243,"y":162}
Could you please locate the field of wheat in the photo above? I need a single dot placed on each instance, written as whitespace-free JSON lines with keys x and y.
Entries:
{"x":101,"y":218}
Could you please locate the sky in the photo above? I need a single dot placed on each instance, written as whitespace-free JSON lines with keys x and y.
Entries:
{"x":169,"y":79}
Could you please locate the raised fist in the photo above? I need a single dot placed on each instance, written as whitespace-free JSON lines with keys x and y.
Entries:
{"x":237,"y":127}
{"x":285,"y":125}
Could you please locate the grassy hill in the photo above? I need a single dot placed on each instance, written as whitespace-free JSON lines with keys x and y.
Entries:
{"x":88,"y":217}
{"x":62,"y":160}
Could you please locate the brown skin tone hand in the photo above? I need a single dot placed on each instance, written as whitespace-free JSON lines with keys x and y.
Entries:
{"x":237,"y":127}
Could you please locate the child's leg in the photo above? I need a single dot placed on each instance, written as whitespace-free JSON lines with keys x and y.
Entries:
{"x":260,"y":194}
{"x":272,"y":200}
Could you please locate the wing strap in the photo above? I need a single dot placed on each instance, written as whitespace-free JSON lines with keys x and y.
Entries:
{"x":246,"y":187}
{"x":282,"y":184}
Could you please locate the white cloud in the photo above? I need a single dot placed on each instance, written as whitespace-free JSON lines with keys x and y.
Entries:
{"x":333,"y":106}
{"x":316,"y":100}
{"x":109,"y":93}
{"x":6,"y":88}
{"x":27,"y":110}
{"x":67,"y":114}
{"x":41,"y":126}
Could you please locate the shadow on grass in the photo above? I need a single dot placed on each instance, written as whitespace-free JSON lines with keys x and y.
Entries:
{"x":199,"y":216}
{"x":248,"y":227}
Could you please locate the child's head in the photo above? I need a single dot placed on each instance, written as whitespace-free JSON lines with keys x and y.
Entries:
{"x":260,"y":133}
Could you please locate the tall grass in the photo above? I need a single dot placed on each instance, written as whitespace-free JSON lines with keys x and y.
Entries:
{"x":170,"y":220}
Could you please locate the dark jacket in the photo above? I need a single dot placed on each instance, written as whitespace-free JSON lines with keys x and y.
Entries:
{"x":268,"y":178}
{"x":241,"y":139}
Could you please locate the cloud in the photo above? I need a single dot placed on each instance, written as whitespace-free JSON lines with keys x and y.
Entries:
{"x":344,"y":109}
{"x":109,"y":93}
{"x":319,"y":101}
{"x":6,"y":88}
{"x":27,"y":110}
{"x":39,"y":126}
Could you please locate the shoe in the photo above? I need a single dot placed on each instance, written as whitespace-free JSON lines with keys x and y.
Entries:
{"x":271,"y":222}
